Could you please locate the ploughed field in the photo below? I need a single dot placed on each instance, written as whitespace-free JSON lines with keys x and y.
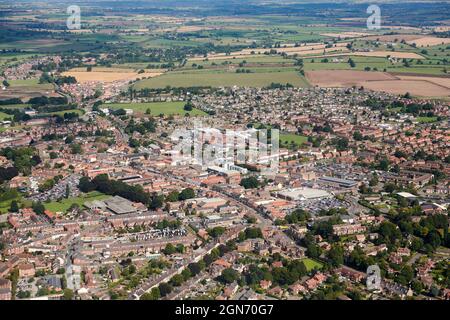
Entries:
{"x":382,"y":81}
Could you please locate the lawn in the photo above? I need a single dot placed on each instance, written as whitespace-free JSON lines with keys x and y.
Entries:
{"x":4,"y":116}
{"x":426,"y":119}
{"x":16,"y":106}
{"x":65,"y":204}
{"x":157,"y":108}
{"x":221,"y":78}
{"x":61,"y":113}
{"x":311,"y":264}
{"x":30,"y":83}
{"x":286,"y":139}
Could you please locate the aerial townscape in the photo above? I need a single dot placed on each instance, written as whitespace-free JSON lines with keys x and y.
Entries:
{"x":134,"y":164}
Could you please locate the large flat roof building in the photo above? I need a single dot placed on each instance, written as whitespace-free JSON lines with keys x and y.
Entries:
{"x":300,"y":194}
{"x":119,"y":205}
{"x":343,"y":183}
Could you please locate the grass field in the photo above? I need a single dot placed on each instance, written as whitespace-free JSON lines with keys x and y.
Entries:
{"x":426,"y":119}
{"x":4,"y":116}
{"x":311,"y":264}
{"x":286,"y":140}
{"x":157,"y":108}
{"x":30,"y":83}
{"x":65,"y":204}
{"x":5,"y":205}
{"x":215,"y":78}
{"x":61,"y":113}
{"x":16,"y":106}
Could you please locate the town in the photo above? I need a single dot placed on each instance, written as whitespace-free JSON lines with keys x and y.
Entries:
{"x":102,"y":198}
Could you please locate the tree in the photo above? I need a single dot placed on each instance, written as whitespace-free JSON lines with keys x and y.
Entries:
{"x":186,"y":194}
{"x":14,"y":206}
{"x":173,"y":196}
{"x":86,"y":185}
{"x":165,"y":289}
{"x":68,"y":294}
{"x":336,"y":255}
{"x":177,"y":280}
{"x":351,"y":63}
{"x":67,"y":192}
{"x":250,"y":183}
{"x":358,"y":136}
{"x":186,"y":273}
{"x":229,"y":275}
{"x":154,"y":294}
{"x":194,"y":268}
{"x":169,"y":249}
{"x":216,"y":232}
{"x":38,"y":207}
{"x":188,"y":106}
{"x":76,"y":148}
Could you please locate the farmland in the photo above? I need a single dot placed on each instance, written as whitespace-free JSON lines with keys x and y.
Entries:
{"x":379,"y":81}
{"x":108,"y":75}
{"x":223,"y":78}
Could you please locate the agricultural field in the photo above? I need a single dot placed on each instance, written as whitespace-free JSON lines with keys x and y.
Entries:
{"x":107,"y":75}
{"x":26,"y":89}
{"x":157,"y":108}
{"x":224,"y":78}
{"x":379,"y":81}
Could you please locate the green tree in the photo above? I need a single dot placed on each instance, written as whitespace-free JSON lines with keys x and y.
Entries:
{"x":229,"y":275}
{"x":14,"y":206}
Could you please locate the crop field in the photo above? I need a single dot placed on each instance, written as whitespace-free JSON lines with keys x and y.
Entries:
{"x":157,"y":108}
{"x":330,"y":78}
{"x":381,"y":81}
{"x":414,"y":87}
{"x":108,"y":75}
{"x":223,"y":79}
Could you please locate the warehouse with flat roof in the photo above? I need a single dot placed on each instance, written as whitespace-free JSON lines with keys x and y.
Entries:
{"x":300,"y":194}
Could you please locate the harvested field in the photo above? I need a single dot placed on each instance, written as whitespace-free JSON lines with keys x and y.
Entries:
{"x":415,"y":87}
{"x":398,"y":37}
{"x":400,"y":55}
{"x":376,"y":54}
{"x":429,"y":41}
{"x":380,"y":81}
{"x":344,"y":35}
{"x":110,"y":75}
{"x":193,"y":28}
{"x":290,"y":49}
{"x":344,"y":78}
{"x":441,"y":81}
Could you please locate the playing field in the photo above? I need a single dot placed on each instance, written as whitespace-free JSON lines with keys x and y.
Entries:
{"x":287,"y":140}
{"x":65,"y":204}
{"x":157,"y":108}
{"x":223,"y":79}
